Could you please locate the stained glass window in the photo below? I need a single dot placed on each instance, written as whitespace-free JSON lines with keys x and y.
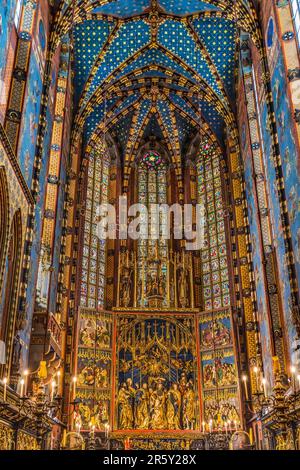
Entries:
{"x":94,"y":253}
{"x":215,"y":278}
{"x":152,"y":189}
{"x":152,"y":160}
{"x":295,"y":4}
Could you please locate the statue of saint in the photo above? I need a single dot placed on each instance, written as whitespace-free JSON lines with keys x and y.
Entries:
{"x":142,"y":417}
{"x":173,"y":407}
{"x":125,"y":294}
{"x":152,"y":284}
{"x":17,"y":348}
{"x":183,"y":383}
{"x":125,"y":408}
{"x":183,"y":288}
{"x":188,"y":407}
{"x":158,"y":408}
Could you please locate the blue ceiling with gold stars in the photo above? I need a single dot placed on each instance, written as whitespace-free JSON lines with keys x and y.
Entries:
{"x":127,"y":8}
{"x":154,"y":68}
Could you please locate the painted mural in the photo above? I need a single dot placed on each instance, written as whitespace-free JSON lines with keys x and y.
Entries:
{"x":94,"y":369}
{"x":220,"y":401}
{"x":285,"y":288}
{"x":282,"y":53}
{"x":261,"y":288}
{"x":32,"y":99}
{"x":288,"y":150}
{"x":30,"y":121}
{"x":18,"y":200}
{"x":37,"y":227}
{"x":7,"y":46}
{"x":7,"y":10}
{"x":290,"y":162}
{"x":290,"y":169}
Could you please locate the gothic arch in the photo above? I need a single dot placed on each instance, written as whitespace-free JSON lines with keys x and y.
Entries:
{"x":10,"y":293}
{"x":4,"y":220}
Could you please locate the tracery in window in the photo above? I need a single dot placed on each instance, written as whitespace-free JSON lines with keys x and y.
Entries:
{"x":152,"y":253}
{"x":215,"y":279}
{"x":94,"y":250}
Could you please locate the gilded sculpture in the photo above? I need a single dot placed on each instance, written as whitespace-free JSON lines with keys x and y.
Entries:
{"x":158,"y":355}
{"x":161,"y":407}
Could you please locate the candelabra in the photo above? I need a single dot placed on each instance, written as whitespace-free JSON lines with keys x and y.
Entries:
{"x":35,"y":412}
{"x":39,"y":411}
{"x":279,"y":411}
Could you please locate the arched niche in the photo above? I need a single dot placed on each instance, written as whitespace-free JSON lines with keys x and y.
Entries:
{"x":10,"y":294}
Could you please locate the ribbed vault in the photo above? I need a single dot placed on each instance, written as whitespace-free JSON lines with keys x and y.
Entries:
{"x":153,"y":68}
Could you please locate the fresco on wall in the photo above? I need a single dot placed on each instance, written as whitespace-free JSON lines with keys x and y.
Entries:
{"x":290,"y":167}
{"x":261,"y":288}
{"x":283,"y":277}
{"x":288,"y":150}
{"x":27,"y":147}
{"x":30,"y":120}
{"x":37,"y":227}
{"x":7,"y":9}
{"x":32,"y":99}
{"x":7,"y":48}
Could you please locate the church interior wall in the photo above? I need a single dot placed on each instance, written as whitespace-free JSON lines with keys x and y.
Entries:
{"x":287,"y":143}
{"x":266,"y":333}
{"x":253,"y":311}
{"x":8,"y":42}
{"x":19,"y":201}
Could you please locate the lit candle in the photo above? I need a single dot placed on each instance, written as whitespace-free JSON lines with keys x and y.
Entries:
{"x":226,"y":427}
{"x":298,"y":378}
{"x":236,"y":425}
{"x":25,"y":373}
{"x":251,"y":435}
{"x":74,"y":385}
{"x":53,"y":385}
{"x":5,"y":388}
{"x":210,"y":425}
{"x":22,"y":382}
{"x":203,"y":427}
{"x":264,"y":382}
{"x":229,"y":425}
{"x":244,"y":378}
{"x":293,"y":372}
{"x":106,"y":430}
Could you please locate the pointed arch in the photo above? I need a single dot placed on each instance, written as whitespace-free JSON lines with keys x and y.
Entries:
{"x":4,"y":220}
{"x":11,"y":288}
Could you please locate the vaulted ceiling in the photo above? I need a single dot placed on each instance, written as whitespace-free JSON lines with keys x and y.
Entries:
{"x":147,"y":68}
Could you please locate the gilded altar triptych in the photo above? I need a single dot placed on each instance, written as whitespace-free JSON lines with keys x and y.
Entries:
{"x":139,"y":371}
